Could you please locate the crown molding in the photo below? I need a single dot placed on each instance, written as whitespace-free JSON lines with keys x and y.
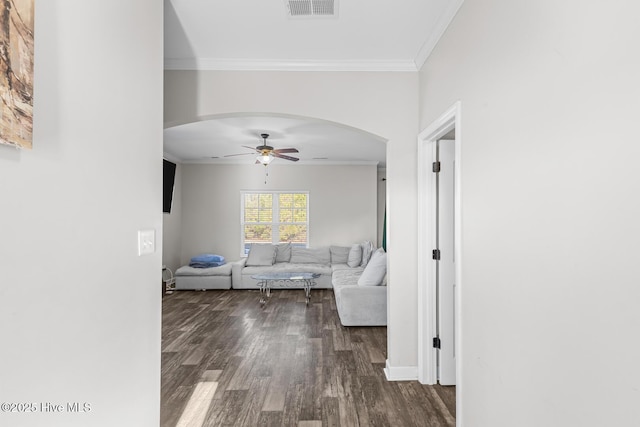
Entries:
{"x":212,"y":64}
{"x":230,"y":64}
{"x":441,"y":26}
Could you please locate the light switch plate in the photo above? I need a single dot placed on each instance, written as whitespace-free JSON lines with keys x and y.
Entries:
{"x":146,"y":242}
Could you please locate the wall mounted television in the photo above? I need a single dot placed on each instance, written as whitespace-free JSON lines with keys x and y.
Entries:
{"x":168,"y":180}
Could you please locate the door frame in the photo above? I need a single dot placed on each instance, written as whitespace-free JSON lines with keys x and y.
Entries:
{"x":427,"y":356}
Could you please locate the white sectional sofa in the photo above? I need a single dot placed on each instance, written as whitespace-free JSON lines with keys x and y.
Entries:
{"x":285,"y":258}
{"x":339,"y":268}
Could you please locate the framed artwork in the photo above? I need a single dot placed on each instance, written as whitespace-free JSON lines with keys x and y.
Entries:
{"x":16,"y":72}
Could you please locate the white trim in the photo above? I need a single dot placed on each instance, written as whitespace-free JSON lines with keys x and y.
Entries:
{"x":427,"y":356}
{"x":215,"y":64}
{"x":400,"y":373}
{"x":441,"y":26}
{"x":427,"y":369}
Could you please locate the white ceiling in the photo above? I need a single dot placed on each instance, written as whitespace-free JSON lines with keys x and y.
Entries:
{"x":259,"y":34}
{"x":366,"y":35}
{"x":318,"y":142}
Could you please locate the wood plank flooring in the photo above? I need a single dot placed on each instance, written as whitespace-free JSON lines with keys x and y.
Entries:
{"x":228,"y":361}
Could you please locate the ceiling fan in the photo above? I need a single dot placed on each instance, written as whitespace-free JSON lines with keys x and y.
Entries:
{"x":266,"y":153}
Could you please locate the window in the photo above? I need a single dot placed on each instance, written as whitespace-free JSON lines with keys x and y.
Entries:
{"x":274,"y":217}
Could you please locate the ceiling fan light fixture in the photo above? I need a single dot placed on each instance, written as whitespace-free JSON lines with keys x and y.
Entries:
{"x":267,"y":153}
{"x":265,"y":159}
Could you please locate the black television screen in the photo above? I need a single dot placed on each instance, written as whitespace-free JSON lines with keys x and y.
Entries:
{"x":168,"y":179}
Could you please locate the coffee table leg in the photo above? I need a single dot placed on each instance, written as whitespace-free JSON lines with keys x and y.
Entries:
{"x":263,"y":290}
{"x":307,"y":290}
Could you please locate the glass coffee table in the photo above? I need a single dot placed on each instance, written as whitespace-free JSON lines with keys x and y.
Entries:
{"x":267,"y":281}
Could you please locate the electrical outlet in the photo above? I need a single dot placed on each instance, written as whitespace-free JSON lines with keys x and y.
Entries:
{"x":146,"y":242}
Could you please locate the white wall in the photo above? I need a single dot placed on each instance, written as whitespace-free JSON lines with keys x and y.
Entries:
{"x":550,"y":183}
{"x":382,"y":103}
{"x":172,"y":226}
{"x":79,"y":310}
{"x":342,"y":203}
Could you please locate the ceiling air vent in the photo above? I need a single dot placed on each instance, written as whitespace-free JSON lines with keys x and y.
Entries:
{"x":316,"y":8}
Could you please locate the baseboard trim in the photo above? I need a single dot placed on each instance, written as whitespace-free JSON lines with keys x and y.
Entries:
{"x":400,"y":373}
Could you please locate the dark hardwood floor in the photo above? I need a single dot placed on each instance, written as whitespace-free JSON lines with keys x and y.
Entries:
{"x":226,"y":360}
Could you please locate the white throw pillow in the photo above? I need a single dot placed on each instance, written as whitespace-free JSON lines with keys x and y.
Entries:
{"x":283,"y":252}
{"x":355,"y":256}
{"x":261,"y":254}
{"x":339,"y":254}
{"x":375,"y":270}
{"x":367,"y":251}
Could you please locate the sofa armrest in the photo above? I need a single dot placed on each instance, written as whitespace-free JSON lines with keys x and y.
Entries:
{"x":236,"y":271}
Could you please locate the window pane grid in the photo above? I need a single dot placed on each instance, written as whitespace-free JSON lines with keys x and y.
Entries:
{"x":293,"y":233}
{"x":274,"y":217}
{"x":257,"y":233}
{"x":258,"y":208}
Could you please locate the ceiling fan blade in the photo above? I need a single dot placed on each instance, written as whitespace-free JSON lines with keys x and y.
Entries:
{"x":250,"y":148}
{"x":282,"y":156}
{"x":286,"y":150}
{"x":239,"y":154}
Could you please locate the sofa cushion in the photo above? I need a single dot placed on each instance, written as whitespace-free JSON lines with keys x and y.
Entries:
{"x":261,"y":254}
{"x":310,"y":255}
{"x":355,"y":256}
{"x":346,"y":277}
{"x":223,"y":270}
{"x":375,"y":270}
{"x":336,"y":267}
{"x":367,"y":251}
{"x":283,"y":252}
{"x":339,"y":254}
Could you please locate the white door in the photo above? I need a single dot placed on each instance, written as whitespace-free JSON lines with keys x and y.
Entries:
{"x":445,"y":269}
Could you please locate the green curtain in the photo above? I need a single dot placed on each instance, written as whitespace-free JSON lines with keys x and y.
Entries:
{"x":384,"y":230}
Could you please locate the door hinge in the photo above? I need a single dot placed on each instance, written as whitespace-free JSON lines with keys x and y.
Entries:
{"x":435,"y":254}
{"x":436,"y":167}
{"x":436,"y":342}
